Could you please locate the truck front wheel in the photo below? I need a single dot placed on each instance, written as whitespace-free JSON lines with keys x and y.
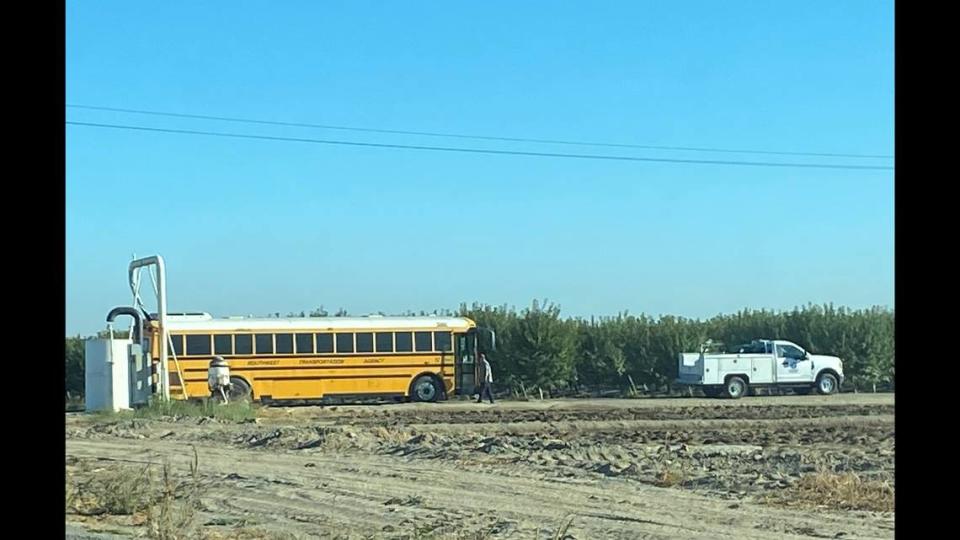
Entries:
{"x":736,"y":387}
{"x":826,"y":384}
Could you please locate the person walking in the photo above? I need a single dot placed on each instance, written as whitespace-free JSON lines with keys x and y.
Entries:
{"x":487,"y":381}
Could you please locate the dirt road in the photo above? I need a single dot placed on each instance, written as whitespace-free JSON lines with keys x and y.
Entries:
{"x":612,"y":468}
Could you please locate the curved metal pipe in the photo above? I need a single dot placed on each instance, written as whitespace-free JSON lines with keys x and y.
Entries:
{"x":124,"y":310}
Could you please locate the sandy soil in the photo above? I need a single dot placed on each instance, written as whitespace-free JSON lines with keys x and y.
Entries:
{"x":511,"y":470}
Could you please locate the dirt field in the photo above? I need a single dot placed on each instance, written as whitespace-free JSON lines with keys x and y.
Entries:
{"x":666,"y":468}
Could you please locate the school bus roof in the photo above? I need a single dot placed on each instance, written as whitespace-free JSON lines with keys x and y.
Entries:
{"x":314,"y":324}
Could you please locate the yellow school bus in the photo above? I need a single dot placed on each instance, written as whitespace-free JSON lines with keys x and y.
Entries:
{"x":312,"y":358}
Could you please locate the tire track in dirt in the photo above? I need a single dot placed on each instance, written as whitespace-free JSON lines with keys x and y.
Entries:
{"x":455,"y":414}
{"x":689,"y":424}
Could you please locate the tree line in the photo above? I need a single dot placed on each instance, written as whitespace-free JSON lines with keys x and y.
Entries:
{"x":538,"y":347}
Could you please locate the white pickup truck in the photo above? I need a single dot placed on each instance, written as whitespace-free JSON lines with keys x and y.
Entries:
{"x":763,"y":362}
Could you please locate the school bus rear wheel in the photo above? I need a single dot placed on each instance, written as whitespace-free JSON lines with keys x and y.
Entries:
{"x":239,"y":389}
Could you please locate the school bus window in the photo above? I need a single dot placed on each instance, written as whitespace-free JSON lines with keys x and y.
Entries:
{"x":442,"y":340}
{"x":404,"y":342}
{"x":264,"y":343}
{"x":345,"y":343}
{"x":198,"y":345}
{"x":284,"y":343}
{"x":177,"y":345}
{"x":365,"y":342}
{"x":324,"y":343}
{"x":243,"y":344}
{"x":222,"y":344}
{"x":304,"y":343}
{"x":384,"y":341}
{"x":423,"y":341}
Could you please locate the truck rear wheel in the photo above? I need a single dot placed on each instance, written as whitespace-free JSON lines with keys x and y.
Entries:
{"x":826,"y":384}
{"x":736,"y":388}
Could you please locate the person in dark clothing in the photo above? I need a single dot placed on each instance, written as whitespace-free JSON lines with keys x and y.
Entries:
{"x":486,"y":380}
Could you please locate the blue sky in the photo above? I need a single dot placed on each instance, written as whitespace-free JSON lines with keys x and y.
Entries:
{"x":255,"y":227}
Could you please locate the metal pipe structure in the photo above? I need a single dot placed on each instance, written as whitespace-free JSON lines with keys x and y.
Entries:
{"x":161,"y":292}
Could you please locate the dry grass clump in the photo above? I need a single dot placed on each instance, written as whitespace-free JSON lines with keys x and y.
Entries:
{"x":118,"y":491}
{"x":247,"y":534}
{"x":670,"y":476}
{"x":846,"y":491}
{"x":166,"y":506}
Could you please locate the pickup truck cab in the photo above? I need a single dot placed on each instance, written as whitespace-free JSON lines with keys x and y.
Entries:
{"x":761,"y":363}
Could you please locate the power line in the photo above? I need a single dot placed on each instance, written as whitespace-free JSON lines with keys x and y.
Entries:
{"x":475,"y":137}
{"x":480,"y":150}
